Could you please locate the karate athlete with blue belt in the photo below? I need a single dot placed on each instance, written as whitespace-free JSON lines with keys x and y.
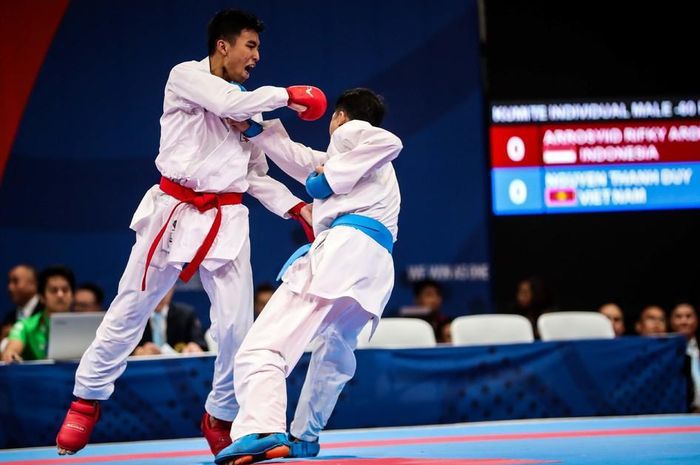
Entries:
{"x":328,"y":294}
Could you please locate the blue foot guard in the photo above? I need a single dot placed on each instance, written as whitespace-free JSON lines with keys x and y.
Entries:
{"x":300,"y":449}
{"x":254,"y":448}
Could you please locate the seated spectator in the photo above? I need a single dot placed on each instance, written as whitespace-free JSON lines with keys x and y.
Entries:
{"x":684,"y":320}
{"x":616,"y":317}
{"x":652,"y":321}
{"x":262,"y":295}
{"x":21,"y":285}
{"x":173,"y":327}
{"x":445,"y":332}
{"x":531,"y":300}
{"x":88,"y":298}
{"x":427,"y":294}
{"x":28,"y":338}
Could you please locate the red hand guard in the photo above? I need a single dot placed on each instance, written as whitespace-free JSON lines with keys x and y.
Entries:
{"x":309,"y":101}
{"x":295,"y":212}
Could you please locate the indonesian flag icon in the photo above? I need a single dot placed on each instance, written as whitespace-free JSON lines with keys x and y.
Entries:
{"x":560,"y":197}
{"x":559,"y":154}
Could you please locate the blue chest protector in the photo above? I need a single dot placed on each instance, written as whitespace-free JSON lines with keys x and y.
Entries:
{"x":373,"y":228}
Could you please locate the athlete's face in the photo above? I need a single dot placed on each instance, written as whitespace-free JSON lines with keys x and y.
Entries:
{"x":240,"y":56}
{"x":338,"y":119}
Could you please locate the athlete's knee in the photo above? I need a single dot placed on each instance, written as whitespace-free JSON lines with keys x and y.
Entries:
{"x":337,"y":350}
{"x":252,"y":360}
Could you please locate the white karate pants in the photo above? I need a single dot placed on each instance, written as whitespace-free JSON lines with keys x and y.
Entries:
{"x":230,"y":291}
{"x":274,"y":346}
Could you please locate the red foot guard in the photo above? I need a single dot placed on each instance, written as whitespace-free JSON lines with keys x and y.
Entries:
{"x":217,"y":435}
{"x":77,"y":426}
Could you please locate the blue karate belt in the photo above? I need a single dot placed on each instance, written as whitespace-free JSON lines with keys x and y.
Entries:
{"x":373,"y":228}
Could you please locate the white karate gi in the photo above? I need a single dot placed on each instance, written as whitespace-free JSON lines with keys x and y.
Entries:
{"x":328,"y":295}
{"x":199,"y":151}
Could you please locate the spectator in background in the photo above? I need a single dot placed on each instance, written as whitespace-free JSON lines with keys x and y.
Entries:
{"x":531,"y":300}
{"x":262,"y":294}
{"x":88,"y":298}
{"x":616,"y":317}
{"x":21,"y":285}
{"x":684,"y":320}
{"x":28,"y":338}
{"x":652,"y":321}
{"x":427,"y":294}
{"x":445,"y":332}
{"x":173,"y":327}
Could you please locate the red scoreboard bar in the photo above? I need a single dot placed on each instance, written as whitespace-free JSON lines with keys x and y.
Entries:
{"x":595,"y":143}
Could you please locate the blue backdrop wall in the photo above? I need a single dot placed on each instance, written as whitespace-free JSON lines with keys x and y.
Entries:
{"x":84,"y":152}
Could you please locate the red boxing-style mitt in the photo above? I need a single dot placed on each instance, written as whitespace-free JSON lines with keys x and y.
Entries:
{"x":309,"y":101}
{"x":295,"y":212}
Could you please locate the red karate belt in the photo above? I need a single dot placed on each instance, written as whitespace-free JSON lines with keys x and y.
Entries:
{"x":203,"y":201}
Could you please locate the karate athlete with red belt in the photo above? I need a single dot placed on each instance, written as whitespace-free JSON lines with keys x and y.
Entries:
{"x":195,"y":216}
{"x":331,"y":288}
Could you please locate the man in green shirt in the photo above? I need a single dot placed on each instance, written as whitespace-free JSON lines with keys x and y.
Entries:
{"x":28,"y":338}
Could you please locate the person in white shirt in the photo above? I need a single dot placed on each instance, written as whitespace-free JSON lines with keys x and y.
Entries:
{"x":195,"y":217}
{"x":173,"y":329}
{"x":684,"y":320}
{"x":331,"y":288}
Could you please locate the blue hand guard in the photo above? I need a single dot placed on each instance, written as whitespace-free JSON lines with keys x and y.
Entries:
{"x":317,"y":186}
{"x":254,"y":129}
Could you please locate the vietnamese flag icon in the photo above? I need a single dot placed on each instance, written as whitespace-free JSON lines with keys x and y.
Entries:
{"x":561,"y":197}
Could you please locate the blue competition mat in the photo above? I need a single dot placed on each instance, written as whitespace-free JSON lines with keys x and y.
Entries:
{"x":643,"y":440}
